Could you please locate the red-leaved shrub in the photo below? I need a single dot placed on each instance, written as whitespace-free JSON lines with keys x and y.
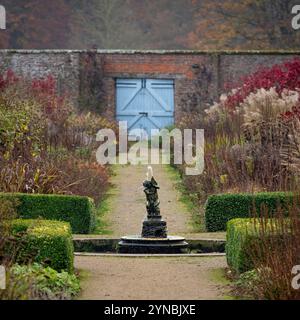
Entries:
{"x":46,"y":146}
{"x":281,"y":76}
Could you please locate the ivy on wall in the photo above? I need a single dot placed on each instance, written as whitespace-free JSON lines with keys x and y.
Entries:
{"x":91,"y":82}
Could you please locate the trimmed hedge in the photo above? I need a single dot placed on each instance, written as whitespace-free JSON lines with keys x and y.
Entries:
{"x":242,"y":236}
{"x":43,"y":241}
{"x":78,"y":211}
{"x":221,"y":208}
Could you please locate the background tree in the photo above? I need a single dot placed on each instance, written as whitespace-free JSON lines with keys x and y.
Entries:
{"x":244,"y":24}
{"x":130,"y":24}
{"x":35,"y":24}
{"x":150,"y":24}
{"x":163,"y":23}
{"x":103,"y":24}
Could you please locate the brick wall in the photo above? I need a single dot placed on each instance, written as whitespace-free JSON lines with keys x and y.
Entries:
{"x":184,"y":69}
{"x":64,"y":66}
{"x":199,"y":76}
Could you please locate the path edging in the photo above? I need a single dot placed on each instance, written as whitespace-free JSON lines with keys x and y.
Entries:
{"x":122,"y":255}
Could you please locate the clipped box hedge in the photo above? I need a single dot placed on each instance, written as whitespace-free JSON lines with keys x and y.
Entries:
{"x":244,"y":236}
{"x":43,"y":241}
{"x":78,"y":211}
{"x":221,"y":208}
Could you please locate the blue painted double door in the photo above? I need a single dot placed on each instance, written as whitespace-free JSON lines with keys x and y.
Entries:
{"x":145,"y":104}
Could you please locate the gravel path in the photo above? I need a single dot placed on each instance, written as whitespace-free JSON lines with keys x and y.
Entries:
{"x":127,"y":206}
{"x":114,"y":278}
{"x":148,"y":278}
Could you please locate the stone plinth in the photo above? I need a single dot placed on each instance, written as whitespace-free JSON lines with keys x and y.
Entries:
{"x":154,"y":228}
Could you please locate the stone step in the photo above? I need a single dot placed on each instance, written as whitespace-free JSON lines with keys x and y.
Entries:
{"x":94,"y":244}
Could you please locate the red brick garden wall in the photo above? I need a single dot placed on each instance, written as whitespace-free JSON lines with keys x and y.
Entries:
{"x":199,"y":76}
{"x":191,"y":73}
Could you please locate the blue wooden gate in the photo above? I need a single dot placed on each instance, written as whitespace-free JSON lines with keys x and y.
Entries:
{"x":145,"y":103}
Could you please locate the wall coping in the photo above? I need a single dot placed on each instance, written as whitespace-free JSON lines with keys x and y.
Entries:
{"x":158,"y":52}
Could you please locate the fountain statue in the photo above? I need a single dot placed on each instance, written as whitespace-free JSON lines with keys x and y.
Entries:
{"x":150,"y":189}
{"x":153,"y":226}
{"x":154,"y":237}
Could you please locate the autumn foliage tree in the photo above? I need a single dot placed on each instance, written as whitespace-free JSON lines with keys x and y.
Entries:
{"x":161,"y":24}
{"x":35,"y":24}
{"x":244,"y":24}
{"x":130,"y":24}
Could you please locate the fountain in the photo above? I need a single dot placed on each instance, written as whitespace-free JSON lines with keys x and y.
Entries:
{"x":154,"y":237}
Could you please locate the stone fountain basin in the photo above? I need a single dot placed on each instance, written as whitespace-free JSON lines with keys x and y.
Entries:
{"x":103,"y":244}
{"x":139,"y":244}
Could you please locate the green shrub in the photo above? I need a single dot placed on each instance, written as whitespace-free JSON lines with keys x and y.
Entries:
{"x":35,"y":282}
{"x":221,"y":208}
{"x":43,"y":241}
{"x":248,"y":284}
{"x":247,"y":238}
{"x":78,"y":211}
